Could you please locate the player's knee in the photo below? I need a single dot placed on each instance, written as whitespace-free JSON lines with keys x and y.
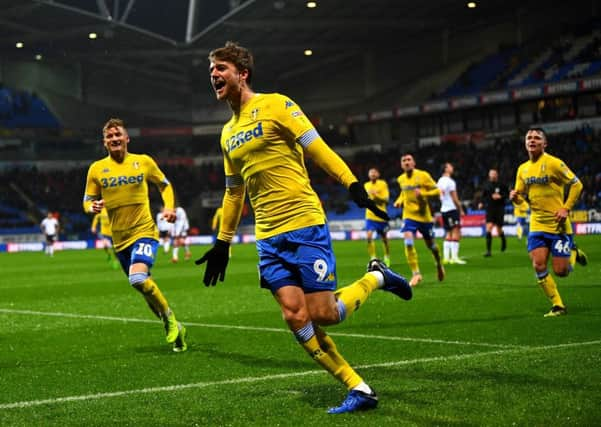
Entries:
{"x":539,"y":266}
{"x":408,"y":242}
{"x":561,"y":271}
{"x":138,"y":280}
{"x":295,"y":317}
{"x":327,"y":315}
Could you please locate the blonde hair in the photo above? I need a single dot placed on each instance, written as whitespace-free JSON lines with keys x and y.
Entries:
{"x":113,"y":123}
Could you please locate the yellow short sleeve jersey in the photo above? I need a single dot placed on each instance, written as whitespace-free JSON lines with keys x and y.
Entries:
{"x":263,"y":148}
{"x":520,"y":210}
{"x":416,"y":208}
{"x":102,"y":218}
{"x":542,"y":182}
{"x":377,"y":191}
{"x":124,"y":188}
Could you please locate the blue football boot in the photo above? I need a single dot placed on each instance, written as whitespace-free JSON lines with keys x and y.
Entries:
{"x":393,"y":282}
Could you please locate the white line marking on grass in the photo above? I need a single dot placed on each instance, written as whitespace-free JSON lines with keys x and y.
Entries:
{"x":425,"y":340}
{"x":177,"y":387}
{"x":259,"y":328}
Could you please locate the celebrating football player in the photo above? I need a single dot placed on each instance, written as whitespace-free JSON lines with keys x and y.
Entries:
{"x":264,"y":144}
{"x":119,"y":182}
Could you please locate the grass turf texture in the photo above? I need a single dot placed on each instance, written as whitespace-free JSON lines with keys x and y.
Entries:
{"x":79,"y":346}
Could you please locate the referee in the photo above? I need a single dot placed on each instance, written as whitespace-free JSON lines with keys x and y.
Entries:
{"x":493,"y":200}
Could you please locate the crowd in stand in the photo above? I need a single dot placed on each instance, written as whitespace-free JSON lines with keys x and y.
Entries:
{"x":62,"y":191}
{"x":472,"y":163}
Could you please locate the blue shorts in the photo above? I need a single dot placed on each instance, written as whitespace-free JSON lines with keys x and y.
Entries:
{"x":302,"y":257}
{"x":379,"y":227}
{"x":520,"y":220}
{"x":560,"y":244}
{"x":143,"y":250}
{"x":426,"y":228}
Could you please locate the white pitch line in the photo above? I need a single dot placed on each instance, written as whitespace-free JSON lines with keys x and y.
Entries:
{"x":177,"y":387}
{"x":260,"y":328}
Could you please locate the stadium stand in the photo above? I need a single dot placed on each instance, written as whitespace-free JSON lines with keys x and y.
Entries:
{"x":478,"y":76}
{"x":193,"y":162}
{"x":571,"y":55}
{"x":21,"y":109}
{"x":205,"y":181}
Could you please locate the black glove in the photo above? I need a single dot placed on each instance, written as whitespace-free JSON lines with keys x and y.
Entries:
{"x":360,"y":197}
{"x":216,"y":258}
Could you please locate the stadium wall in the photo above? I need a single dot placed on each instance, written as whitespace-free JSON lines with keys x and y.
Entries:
{"x":585,"y":223}
{"x":510,"y":230}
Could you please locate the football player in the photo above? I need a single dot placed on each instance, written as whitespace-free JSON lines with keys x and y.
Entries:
{"x":416,"y":187}
{"x":451,"y":210}
{"x":541,"y":181}
{"x":264,"y":144}
{"x":119,"y":182}
{"x":105,"y":235}
{"x":180,"y":235}
{"x":377,"y":190}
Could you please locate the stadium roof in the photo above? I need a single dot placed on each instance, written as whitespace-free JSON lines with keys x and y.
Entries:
{"x":158,"y":38}
{"x":167,"y":43}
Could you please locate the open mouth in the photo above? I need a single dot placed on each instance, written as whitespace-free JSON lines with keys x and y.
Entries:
{"x":115,"y":144}
{"x":218,"y":85}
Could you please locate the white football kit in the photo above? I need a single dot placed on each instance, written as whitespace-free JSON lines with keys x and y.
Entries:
{"x":181,"y":226}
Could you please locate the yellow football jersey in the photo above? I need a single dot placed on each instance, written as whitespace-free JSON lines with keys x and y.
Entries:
{"x":102,"y":218}
{"x":380,"y":196}
{"x":520,"y":210}
{"x":263,"y":147}
{"x":124,"y":188}
{"x":542,"y":183}
{"x":417,"y":208}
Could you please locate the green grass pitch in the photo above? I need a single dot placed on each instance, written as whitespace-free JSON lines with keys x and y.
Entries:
{"x":78,"y":347}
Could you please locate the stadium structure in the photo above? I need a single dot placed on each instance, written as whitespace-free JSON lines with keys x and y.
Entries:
{"x":377,"y":78}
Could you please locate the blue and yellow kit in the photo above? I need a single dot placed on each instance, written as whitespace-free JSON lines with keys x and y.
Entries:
{"x":417,"y":208}
{"x":520,"y":210}
{"x":542,"y":183}
{"x":124,"y":188}
{"x":380,"y":188}
{"x":102,"y":218}
{"x":263,"y":150}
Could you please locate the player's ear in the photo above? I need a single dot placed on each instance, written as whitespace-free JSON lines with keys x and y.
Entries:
{"x":243,"y":74}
